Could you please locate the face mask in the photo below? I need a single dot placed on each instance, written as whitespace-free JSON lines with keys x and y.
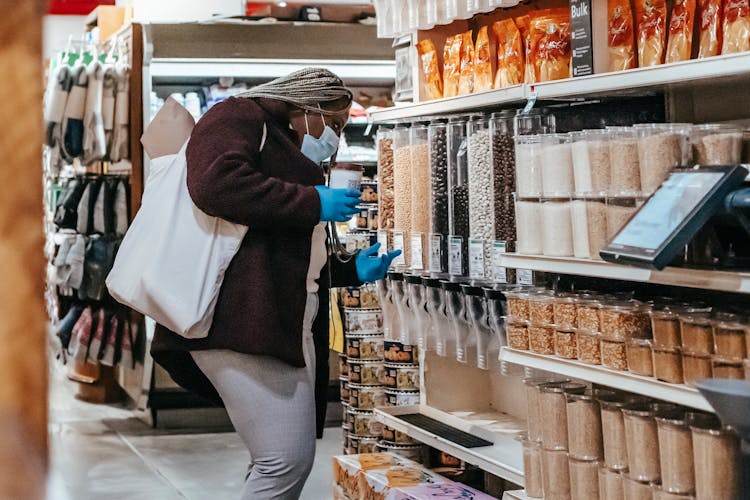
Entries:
{"x":320,"y":148}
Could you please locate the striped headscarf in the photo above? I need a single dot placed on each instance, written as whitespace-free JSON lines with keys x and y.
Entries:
{"x":307,"y":89}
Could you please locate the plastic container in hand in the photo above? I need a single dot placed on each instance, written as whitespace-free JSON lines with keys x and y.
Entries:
{"x":557,"y":166}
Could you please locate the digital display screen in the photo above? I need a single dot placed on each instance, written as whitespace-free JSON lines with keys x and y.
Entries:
{"x":663,"y":213}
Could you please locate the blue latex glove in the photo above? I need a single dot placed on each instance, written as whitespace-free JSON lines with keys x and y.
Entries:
{"x":338,"y":205}
{"x":370,"y":266}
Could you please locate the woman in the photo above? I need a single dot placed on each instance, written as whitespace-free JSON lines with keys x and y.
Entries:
{"x":254,"y":160}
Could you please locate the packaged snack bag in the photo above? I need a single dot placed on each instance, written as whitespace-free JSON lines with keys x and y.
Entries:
{"x":680,"y":44}
{"x":550,"y":39}
{"x":651,"y":23}
{"x":428,"y":59}
{"x":466,"y":81}
{"x":451,"y":65}
{"x":736,"y":26}
{"x":510,"y":60}
{"x":621,"y":35}
{"x":524,"y":26}
{"x":482,"y":62}
{"x":710,"y":14}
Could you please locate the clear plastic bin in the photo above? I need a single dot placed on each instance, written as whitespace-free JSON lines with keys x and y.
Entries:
{"x":716,"y":145}
{"x":455,"y":308}
{"x":555,"y":474}
{"x":591,"y":164}
{"x":542,"y":339}
{"x":665,"y":326}
{"x":517,"y":333}
{"x":557,"y":165}
{"x":534,"y":419}
{"x":625,"y":174}
{"x":589,"y":347}
{"x":696,"y":367}
{"x":420,"y":188}
{"x":642,"y":441}
{"x":565,"y":343}
{"x":729,"y":336}
{"x":518,"y":303}
{"x":584,"y":478}
{"x":564,"y":310}
{"x":458,"y":186}
{"x":614,"y":354}
{"x":504,"y":176}
{"x":661,"y":148}
{"x":585,"y":424}
{"x":553,"y":408}
{"x":613,"y":431}
{"x":634,"y":489}
{"x":675,"y":452}
{"x":486,"y":341}
{"x":620,"y":208}
{"x":587,"y":313}
{"x":610,"y":484}
{"x":557,"y":227}
{"x":532,"y":467}
{"x":481,"y":194}
{"x":696,"y":330}
{"x":542,"y":307}
{"x":668,"y":365}
{"x":640,"y":357}
{"x":727,"y":368}
{"x":529,"y":237}
{"x":589,"y":225}
{"x":625,"y":320}
{"x":385,"y":175}
{"x":529,"y":166}
{"x":716,"y":454}
{"x":402,"y":186}
{"x":439,"y":195}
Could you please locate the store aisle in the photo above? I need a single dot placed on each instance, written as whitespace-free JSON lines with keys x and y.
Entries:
{"x":105,"y":452}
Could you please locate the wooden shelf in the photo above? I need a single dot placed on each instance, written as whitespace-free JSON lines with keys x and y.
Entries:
{"x":674,"y":393}
{"x":503,"y":459}
{"x":725,"y":281}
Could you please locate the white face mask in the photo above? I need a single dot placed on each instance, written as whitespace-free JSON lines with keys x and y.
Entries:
{"x":318,"y":149}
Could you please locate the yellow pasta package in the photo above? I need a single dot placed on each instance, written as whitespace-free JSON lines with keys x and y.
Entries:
{"x":550,"y":40}
{"x":651,"y":20}
{"x":433,"y":82}
{"x":736,"y":26}
{"x":524,"y":26}
{"x":680,"y":44}
{"x":620,"y":39}
{"x":483,"y":77}
{"x":710,"y":13}
{"x":466,"y":81}
{"x":510,"y":60}
{"x":451,"y":65}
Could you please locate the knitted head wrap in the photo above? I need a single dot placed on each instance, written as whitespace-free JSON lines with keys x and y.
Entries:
{"x":307,"y":89}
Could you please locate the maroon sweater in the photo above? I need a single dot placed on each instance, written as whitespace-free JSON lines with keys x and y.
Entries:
{"x":262,"y":299}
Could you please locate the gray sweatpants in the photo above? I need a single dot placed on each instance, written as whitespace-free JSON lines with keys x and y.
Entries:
{"x":272,"y":407}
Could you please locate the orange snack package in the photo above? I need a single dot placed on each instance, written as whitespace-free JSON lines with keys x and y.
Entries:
{"x":550,"y":41}
{"x":651,"y":22}
{"x":482,"y":62}
{"x":466,"y":81}
{"x":680,"y":44}
{"x":710,"y":13}
{"x":736,"y":26}
{"x":510,"y":60}
{"x":524,"y":26}
{"x":433,"y":82}
{"x":620,"y":35}
{"x":451,"y":65}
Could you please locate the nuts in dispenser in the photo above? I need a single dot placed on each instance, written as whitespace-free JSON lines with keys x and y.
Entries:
{"x":518,"y":304}
{"x":565,"y":312}
{"x":614,"y":355}
{"x":565,"y":343}
{"x":542,"y":339}
{"x":587,"y":314}
{"x":517,"y":332}
{"x":589,"y":347}
{"x":541,"y":308}
{"x":624,"y":321}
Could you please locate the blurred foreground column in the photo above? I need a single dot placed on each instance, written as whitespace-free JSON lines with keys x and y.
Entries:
{"x":23,"y":360}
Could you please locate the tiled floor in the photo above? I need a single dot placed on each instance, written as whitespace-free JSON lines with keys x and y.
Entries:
{"x":106,"y":452}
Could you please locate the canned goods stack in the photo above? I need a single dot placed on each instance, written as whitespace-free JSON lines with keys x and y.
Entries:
{"x":362,"y":230}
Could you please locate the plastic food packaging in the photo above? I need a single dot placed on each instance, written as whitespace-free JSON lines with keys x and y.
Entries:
{"x":621,"y":35}
{"x":557,"y":165}
{"x":553,"y":408}
{"x":529,"y":165}
{"x":680,"y":44}
{"x":542,"y":339}
{"x":532,"y":468}
{"x":675,"y":452}
{"x":591,"y":163}
{"x":625,"y":320}
{"x":710,"y":28}
{"x":729,"y":336}
{"x":366,"y":397}
{"x":589,"y":347}
{"x":557,"y":228}
{"x":541,"y":308}
{"x":365,"y":348}
{"x":555,"y":474}
{"x":466,"y":79}
{"x":550,"y":41}
{"x":391,"y":435}
{"x":716,"y":145}
{"x":625,"y":174}
{"x":665,"y":326}
{"x":585,"y":424}
{"x":401,"y":377}
{"x":517,"y":333}
{"x":668,"y":365}
{"x":401,"y":398}
{"x":696,"y":367}
{"x":452,"y":65}
{"x":736,"y":27}
{"x":364,"y":424}
{"x":716,"y":454}
{"x":428,"y":59}
{"x":385,"y":174}
{"x":510,"y":54}
{"x":565,"y":343}
{"x":651,"y":27}
{"x":642,"y":441}
{"x":727,"y":368}
{"x":524,"y":26}
{"x":535,"y":422}
{"x":610,"y":484}
{"x":483,"y":62}
{"x":661,"y":148}
{"x":365,"y":372}
{"x":584,"y":479}
{"x":634,"y":489}
{"x":613,"y":432}
{"x":640,"y":359}
{"x":696,"y":331}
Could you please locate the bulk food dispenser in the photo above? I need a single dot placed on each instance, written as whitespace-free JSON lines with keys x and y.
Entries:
{"x":396,"y":300}
{"x":435,"y":304}
{"x":478,"y":319}
{"x":384,"y":290}
{"x":416,"y":304}
{"x":455,"y":308}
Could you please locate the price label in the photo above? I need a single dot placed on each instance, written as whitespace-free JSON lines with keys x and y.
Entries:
{"x":436,"y":253}
{"x":524,"y":277}
{"x":455,"y":256}
{"x":383,"y":240}
{"x":476,"y":259}
{"x":417,"y":263}
{"x":398,"y":244}
{"x":499,"y":274}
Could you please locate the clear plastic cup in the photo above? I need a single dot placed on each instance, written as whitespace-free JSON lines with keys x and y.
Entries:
{"x":584,"y":478}
{"x":585,"y":424}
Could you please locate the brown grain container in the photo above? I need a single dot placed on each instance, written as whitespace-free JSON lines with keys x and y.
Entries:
{"x":553,"y":412}
{"x":716,"y":454}
{"x":675,"y":452}
{"x":668,"y":365}
{"x":640,"y":357}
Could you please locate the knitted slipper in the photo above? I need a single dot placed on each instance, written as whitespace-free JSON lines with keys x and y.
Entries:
{"x":94,"y":146}
{"x":72,"y":123}
{"x":109,"y":92}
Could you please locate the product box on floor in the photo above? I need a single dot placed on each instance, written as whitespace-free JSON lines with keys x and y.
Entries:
{"x":385,"y":476}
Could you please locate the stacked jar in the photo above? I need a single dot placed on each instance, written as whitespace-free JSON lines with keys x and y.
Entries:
{"x":364,"y":370}
{"x":420,"y":196}
{"x":458,"y":199}
{"x":481,"y":199}
{"x":439,"y":197}
{"x":402,"y":191}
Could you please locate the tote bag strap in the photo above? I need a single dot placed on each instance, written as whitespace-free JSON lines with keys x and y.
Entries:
{"x":263,"y":138}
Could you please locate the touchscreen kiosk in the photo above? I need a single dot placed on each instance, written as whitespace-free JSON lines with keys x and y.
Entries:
{"x":673,"y":215}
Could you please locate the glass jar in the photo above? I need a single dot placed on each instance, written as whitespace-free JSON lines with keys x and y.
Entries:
{"x":729,"y":336}
{"x":696,"y":367}
{"x":613,"y":431}
{"x":665,"y":326}
{"x":557,"y":227}
{"x":661,"y":148}
{"x":642,"y":441}
{"x":458,"y":186}
{"x":668,"y":365}
{"x":439,"y":204}
{"x":620,"y":208}
{"x":716,"y":454}
{"x":534,"y":419}
{"x":591,"y":165}
{"x":556,"y":165}
{"x":503,"y":176}
{"x":585,"y":424}
{"x":589,"y":225}
{"x":675,"y":452}
{"x":402,"y":186}
{"x":625,"y":174}
{"x":584,"y":478}
{"x":553,"y":407}
{"x":385,"y":176}
{"x":528,"y":165}
{"x":696,"y":330}
{"x":529,"y":238}
{"x":640,"y":357}
{"x":420,"y":190}
{"x":716,"y":144}
{"x":532,"y":467}
{"x":589,"y":347}
{"x":481,"y":195}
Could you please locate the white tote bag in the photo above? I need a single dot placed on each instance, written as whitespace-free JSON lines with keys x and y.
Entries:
{"x":171,"y":263}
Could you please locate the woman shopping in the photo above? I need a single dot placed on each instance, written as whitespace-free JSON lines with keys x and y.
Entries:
{"x":254,"y":160}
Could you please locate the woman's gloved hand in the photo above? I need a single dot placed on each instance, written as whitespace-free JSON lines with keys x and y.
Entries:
{"x":370,"y":266}
{"x":338,"y":205}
